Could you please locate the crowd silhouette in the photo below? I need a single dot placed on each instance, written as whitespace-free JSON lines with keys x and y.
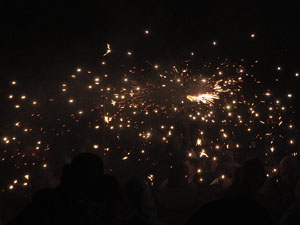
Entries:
{"x":87,"y":194}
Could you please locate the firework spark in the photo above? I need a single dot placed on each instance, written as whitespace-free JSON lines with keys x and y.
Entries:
{"x":108,"y":50}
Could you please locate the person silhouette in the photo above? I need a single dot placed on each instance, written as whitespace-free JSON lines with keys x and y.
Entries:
{"x":140,"y":198}
{"x":73,"y":201}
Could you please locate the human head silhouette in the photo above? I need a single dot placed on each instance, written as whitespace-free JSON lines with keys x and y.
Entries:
{"x":139,"y":195}
{"x":289,"y":170}
{"x":83,"y":170}
{"x":251,"y":175}
{"x":178,"y":174}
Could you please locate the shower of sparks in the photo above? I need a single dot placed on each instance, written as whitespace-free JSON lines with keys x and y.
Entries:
{"x":125,"y":116}
{"x":206,"y":98}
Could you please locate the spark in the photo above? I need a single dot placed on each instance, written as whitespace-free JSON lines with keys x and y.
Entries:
{"x":199,"y":142}
{"x":108,"y":50}
{"x":203,"y":154}
{"x":106,"y":119}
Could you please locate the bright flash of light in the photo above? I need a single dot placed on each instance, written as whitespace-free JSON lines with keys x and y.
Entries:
{"x":208,"y":97}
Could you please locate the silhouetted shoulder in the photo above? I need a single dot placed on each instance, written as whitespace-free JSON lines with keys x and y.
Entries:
{"x":232,"y":211}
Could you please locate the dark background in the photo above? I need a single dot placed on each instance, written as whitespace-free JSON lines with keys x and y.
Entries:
{"x":41,"y":41}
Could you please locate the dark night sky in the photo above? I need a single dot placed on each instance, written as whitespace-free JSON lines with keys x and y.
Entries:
{"x":45,"y":43}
